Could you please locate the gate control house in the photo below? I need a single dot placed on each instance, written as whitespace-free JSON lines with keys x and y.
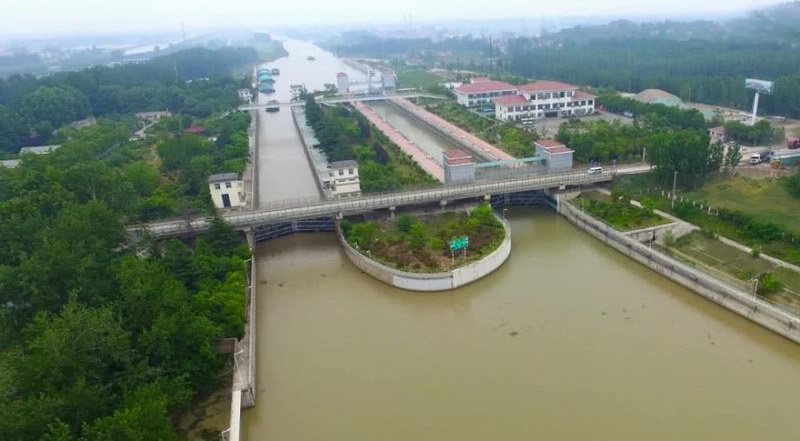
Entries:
{"x":555,"y":155}
{"x":227,"y":190}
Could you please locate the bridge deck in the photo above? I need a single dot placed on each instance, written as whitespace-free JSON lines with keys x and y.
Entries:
{"x":308,"y":209}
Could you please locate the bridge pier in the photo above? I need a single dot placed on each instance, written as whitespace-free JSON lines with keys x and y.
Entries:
{"x":443,"y":204}
{"x":392,"y":209}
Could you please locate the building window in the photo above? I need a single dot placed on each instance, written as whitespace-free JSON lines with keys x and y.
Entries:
{"x":227,"y":185}
{"x":350,"y":171}
{"x":216,"y":186}
{"x":341,"y":172}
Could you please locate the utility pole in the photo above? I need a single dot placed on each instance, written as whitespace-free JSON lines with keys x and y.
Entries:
{"x":674,"y":185}
{"x":491,"y":55}
{"x":644,"y":154}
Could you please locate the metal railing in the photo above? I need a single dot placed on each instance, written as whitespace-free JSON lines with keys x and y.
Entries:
{"x":311,"y":208}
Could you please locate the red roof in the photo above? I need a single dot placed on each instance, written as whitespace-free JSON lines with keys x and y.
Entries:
{"x":485,"y":86}
{"x":195,"y":129}
{"x":546,"y":86}
{"x":581,"y":95}
{"x":479,"y":79}
{"x":553,"y":146}
{"x":457,"y":157}
{"x":510,"y":99}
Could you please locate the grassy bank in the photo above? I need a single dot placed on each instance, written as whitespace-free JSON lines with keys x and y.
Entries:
{"x":702,"y":248}
{"x":515,"y":141}
{"x":421,"y":243}
{"x":761,"y":219}
{"x":343,"y":133}
{"x":618,"y":212}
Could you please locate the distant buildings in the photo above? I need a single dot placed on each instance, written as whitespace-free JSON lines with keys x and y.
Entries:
{"x":544,"y":99}
{"x":195,"y":129}
{"x":153,"y":116}
{"x":245,"y":95}
{"x":556,"y":156}
{"x":343,"y":178}
{"x":227,"y":190}
{"x":527,"y":102}
{"x":40,"y":150}
{"x":342,"y":83}
{"x":9,"y":163}
{"x":717,"y":134}
{"x":481,"y":91}
{"x":388,"y":79}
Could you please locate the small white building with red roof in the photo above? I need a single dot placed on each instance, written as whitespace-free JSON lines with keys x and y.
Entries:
{"x":481,"y":91}
{"x":459,"y":167}
{"x":556,"y":156}
{"x":543,"y":99}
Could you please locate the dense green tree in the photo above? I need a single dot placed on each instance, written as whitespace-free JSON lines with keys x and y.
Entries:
{"x":733,"y":156}
{"x":13,"y":130}
{"x":56,"y":105}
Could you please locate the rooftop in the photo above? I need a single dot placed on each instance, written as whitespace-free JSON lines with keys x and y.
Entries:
{"x":485,"y":86}
{"x":347,"y":163}
{"x":341,"y":74}
{"x":9,"y":163}
{"x":546,"y":86}
{"x":480,"y":79}
{"x":195,"y":129}
{"x":223,"y":177}
{"x":511,"y":99}
{"x":457,"y":157}
{"x":581,"y":95}
{"x":553,"y":146}
{"x":718,"y":129}
{"x":40,"y":150}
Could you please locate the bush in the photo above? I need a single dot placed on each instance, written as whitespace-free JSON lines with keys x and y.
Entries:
{"x":756,"y":251}
{"x":768,"y":283}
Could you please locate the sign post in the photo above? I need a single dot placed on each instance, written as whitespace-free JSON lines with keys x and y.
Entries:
{"x":458,"y":243}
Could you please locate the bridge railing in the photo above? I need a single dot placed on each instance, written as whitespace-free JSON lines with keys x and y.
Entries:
{"x":303,"y":208}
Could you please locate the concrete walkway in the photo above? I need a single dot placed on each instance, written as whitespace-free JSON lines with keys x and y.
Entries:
{"x":423,"y":159}
{"x":453,"y":130}
{"x":725,"y":240}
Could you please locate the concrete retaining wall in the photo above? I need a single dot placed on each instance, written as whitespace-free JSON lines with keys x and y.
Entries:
{"x":307,"y":149}
{"x":431,"y":281}
{"x":730,"y":297}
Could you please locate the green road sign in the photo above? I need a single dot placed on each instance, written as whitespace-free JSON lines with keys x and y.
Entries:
{"x":459,"y":243}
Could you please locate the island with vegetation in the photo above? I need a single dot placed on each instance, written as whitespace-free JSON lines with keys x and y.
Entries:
{"x":616,"y":210}
{"x":427,"y":252}
{"x":343,"y":133}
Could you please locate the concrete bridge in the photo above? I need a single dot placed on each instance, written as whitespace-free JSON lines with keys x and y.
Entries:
{"x":347,"y":99}
{"x":302,"y":209}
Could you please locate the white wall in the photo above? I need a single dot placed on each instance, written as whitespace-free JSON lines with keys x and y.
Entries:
{"x":236,"y":193}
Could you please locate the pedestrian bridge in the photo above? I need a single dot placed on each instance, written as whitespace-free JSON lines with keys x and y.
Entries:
{"x":301,"y":209}
{"x":346,"y":99}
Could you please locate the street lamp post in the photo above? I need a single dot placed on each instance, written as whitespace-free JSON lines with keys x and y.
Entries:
{"x":674,"y":186}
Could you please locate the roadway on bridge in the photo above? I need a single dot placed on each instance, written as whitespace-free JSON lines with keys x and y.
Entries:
{"x":297,"y":209}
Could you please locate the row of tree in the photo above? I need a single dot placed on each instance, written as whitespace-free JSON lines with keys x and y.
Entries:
{"x":193,"y":82}
{"x":97,"y":342}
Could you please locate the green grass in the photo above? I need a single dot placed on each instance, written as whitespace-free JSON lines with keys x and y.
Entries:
{"x":766,"y":199}
{"x":620,"y":214}
{"x":511,"y":139}
{"x":418,"y":78}
{"x":700,"y":249}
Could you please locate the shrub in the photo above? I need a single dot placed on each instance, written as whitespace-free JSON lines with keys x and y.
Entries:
{"x":756,"y":251}
{"x":768,"y":283}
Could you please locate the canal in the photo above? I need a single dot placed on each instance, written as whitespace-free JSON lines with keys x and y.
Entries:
{"x":568,"y":340}
{"x":428,"y":140}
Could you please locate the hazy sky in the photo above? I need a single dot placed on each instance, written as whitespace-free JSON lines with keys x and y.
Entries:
{"x":30,"y":17}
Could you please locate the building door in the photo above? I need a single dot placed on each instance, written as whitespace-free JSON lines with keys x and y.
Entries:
{"x":226,"y":200}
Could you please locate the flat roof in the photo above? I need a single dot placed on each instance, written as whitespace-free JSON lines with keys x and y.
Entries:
{"x":553,"y":146}
{"x":9,"y":163}
{"x":485,"y":86}
{"x":223,"y":177}
{"x":581,"y":95}
{"x":546,"y":86}
{"x":40,"y":150}
{"x":347,"y":163}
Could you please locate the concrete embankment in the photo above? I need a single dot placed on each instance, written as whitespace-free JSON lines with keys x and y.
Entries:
{"x":431,"y":281}
{"x":476,"y":146}
{"x":423,"y":159}
{"x":317,"y":164}
{"x":730,"y":297}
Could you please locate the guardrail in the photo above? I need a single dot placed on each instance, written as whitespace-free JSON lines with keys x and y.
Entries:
{"x":302,"y":209}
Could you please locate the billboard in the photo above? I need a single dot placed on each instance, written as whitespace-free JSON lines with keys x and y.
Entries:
{"x":759,"y":86}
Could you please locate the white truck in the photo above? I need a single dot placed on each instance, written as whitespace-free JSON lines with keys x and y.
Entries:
{"x":758,"y":158}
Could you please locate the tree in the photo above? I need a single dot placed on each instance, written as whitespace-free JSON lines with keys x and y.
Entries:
{"x":57,"y":105}
{"x":13,"y":130}
{"x":716,"y":156}
{"x":792,"y":185}
{"x":734,"y":156}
